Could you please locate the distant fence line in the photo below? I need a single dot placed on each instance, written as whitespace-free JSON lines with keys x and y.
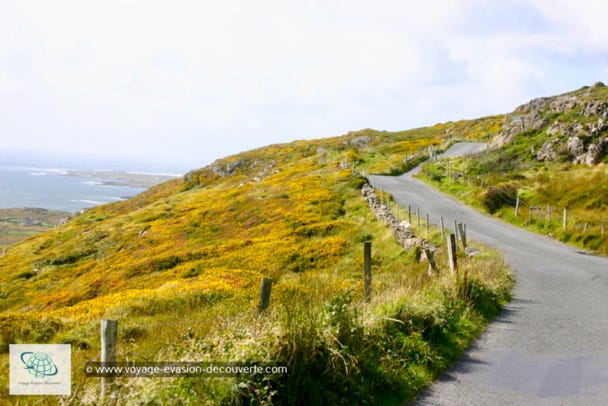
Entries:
{"x":553,"y":215}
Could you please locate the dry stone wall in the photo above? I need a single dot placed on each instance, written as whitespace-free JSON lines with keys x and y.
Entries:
{"x":402,"y":229}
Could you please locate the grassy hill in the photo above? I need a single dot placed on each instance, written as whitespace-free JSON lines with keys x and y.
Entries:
{"x":551,"y":153}
{"x":180,"y":266}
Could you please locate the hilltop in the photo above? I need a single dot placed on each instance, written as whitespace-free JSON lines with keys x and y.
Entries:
{"x":570,"y":127}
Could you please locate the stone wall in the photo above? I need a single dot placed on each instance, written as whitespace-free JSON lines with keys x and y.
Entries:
{"x":402,"y":229}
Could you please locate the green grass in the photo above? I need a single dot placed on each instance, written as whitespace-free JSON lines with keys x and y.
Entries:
{"x":180,"y":265}
{"x":579,"y":189}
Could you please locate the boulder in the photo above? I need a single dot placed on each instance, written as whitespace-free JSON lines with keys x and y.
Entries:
{"x":547,"y":151}
{"x":576,"y":147}
{"x":361,"y":142}
{"x":596,"y":151}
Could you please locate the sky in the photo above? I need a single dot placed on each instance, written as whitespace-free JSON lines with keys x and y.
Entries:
{"x":182,"y":83}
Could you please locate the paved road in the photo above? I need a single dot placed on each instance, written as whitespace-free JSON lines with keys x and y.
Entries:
{"x":550,"y":344}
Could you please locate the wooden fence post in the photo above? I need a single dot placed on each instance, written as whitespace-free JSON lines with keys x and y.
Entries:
{"x":516,"y":206}
{"x":463,"y":236}
{"x":427,"y":225}
{"x":409,"y":213}
{"x":548,"y":213}
{"x":367,"y":270}
{"x":602,"y":230}
{"x":565,"y":219}
{"x":456,"y":234}
{"x":418,"y":217}
{"x":431,"y":258}
{"x":442,"y":229}
{"x":265,"y":289}
{"x":451,"y":243}
{"x":109,"y":330}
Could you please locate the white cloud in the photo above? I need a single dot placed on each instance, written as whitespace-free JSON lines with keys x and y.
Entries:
{"x":201,"y":79}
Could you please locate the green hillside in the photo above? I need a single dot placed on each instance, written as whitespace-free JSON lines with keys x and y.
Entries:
{"x":180,"y":267}
{"x":551,"y":153}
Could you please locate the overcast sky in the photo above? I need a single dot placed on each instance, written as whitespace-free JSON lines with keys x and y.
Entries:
{"x":188,"y":82}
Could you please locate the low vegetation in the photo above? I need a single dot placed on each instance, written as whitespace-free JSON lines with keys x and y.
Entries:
{"x":180,"y":266}
{"x":568,"y":178}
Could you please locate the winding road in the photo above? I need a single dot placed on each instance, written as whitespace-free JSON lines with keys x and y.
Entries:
{"x":549,"y":346}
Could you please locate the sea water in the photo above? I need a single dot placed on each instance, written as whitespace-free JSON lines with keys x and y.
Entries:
{"x":41,"y":183}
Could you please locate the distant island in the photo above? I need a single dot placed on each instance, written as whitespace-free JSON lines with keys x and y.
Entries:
{"x":120,"y":178}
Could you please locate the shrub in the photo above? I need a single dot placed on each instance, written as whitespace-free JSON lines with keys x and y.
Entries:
{"x":495,"y":198}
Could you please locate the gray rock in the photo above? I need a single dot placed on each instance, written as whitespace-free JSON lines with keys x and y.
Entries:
{"x":471,"y":251}
{"x":596,"y":151}
{"x":576,"y":149}
{"x":361,"y":142}
{"x":578,"y":137}
{"x":547,"y":151}
{"x":402,"y":229}
{"x":563,"y":104}
{"x":526,"y":117}
{"x":596,"y":108}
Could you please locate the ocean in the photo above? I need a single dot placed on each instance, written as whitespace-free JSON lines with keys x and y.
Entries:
{"x":39,"y":181}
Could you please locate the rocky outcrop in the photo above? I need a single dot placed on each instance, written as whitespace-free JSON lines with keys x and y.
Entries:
{"x":547,"y":151}
{"x":576,"y":147}
{"x":226,"y":170}
{"x":576,"y":123}
{"x":259,"y":168}
{"x":361,"y":142}
{"x":402,"y":229}
{"x":524,"y":118}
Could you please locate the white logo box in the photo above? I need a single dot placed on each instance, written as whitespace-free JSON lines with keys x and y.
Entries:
{"x":40,"y":369}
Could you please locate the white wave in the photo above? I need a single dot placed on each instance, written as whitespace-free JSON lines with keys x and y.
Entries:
{"x":173,"y":175}
{"x":58,"y":171}
{"x":90,"y":201}
{"x":93,"y":183}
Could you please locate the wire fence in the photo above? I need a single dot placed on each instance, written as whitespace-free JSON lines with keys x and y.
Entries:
{"x":533,"y":210}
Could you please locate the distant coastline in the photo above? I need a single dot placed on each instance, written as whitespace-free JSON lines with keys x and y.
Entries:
{"x":71,"y":183}
{"x":20,"y":223}
{"x":35,"y":200}
{"x":121,"y":178}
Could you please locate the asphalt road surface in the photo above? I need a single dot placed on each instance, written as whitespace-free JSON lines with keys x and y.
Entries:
{"x":549,"y":346}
